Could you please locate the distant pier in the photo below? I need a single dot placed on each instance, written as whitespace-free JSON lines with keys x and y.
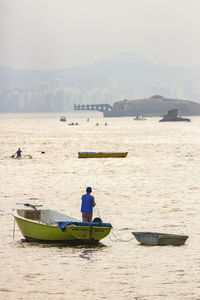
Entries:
{"x":105,"y":108}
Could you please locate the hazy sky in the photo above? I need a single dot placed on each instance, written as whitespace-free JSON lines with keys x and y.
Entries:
{"x":48,"y":34}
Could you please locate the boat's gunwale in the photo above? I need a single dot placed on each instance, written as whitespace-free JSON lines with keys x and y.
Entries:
{"x":16,"y":216}
{"x":149,"y":233}
{"x":85,"y":152}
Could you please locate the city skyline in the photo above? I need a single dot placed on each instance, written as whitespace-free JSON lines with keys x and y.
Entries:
{"x":126,"y":76}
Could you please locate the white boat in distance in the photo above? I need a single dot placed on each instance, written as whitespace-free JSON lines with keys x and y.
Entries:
{"x":159,"y":239}
{"x":63,"y":119}
{"x":139,"y":118}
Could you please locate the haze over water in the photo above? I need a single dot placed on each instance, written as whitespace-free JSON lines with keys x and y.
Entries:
{"x":155,"y":188}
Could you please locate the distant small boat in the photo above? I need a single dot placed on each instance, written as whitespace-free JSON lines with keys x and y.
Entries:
{"x":159,"y":239}
{"x":73,"y":123}
{"x":101,"y":154}
{"x":63,"y":119}
{"x":139,"y":118}
{"x":22,"y":156}
{"x":38,"y":223}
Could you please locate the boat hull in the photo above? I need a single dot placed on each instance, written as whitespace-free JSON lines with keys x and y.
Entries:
{"x":101,"y":154}
{"x":34,"y":231}
{"x":159,"y":239}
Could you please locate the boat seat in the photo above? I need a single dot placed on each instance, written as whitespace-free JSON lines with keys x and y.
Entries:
{"x":32,"y":214}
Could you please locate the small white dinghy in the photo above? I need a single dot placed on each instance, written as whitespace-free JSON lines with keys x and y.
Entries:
{"x":159,"y":239}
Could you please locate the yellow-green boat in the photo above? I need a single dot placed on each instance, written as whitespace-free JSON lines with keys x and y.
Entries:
{"x":101,"y":154}
{"x":38,"y":223}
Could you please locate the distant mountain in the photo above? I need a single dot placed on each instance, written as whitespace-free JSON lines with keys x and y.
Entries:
{"x":124,"y":69}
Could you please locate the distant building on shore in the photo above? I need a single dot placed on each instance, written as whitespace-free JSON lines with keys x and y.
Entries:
{"x":154,"y":106}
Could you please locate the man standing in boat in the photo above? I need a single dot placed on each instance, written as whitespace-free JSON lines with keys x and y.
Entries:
{"x":87,"y":205}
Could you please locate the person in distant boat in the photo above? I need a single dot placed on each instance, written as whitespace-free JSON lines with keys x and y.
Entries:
{"x":87,"y":205}
{"x":18,"y":153}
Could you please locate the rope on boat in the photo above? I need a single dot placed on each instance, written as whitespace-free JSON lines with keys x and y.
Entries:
{"x":97,"y":211}
{"x":112,"y":240}
{"x":118,"y":239}
{"x":14,"y":229}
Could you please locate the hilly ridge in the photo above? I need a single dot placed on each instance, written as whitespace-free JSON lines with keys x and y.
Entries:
{"x":124,"y":69}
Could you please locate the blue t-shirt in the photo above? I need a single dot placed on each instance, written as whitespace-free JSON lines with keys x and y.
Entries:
{"x":87,"y":203}
{"x":19,"y":153}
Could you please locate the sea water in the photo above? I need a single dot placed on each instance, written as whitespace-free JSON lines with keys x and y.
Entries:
{"x":155,"y":188}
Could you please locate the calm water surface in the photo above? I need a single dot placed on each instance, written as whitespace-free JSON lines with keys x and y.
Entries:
{"x":156,"y":188}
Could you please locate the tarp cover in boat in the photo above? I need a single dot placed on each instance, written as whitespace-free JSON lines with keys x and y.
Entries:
{"x":62,"y":225}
